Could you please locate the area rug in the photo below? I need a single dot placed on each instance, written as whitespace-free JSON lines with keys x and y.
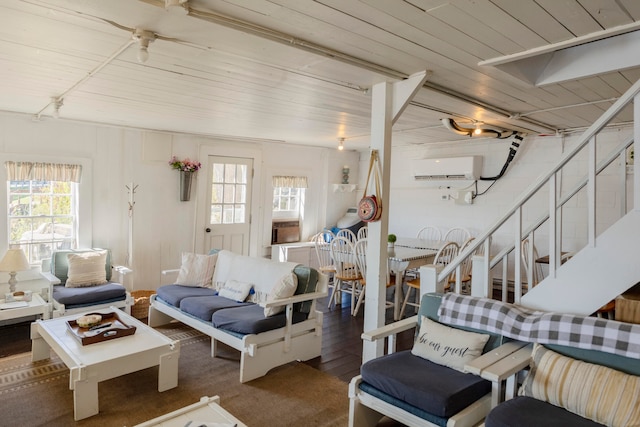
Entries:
{"x":37,"y":394}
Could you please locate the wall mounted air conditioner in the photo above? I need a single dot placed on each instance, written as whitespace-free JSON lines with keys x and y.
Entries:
{"x":448,"y":168}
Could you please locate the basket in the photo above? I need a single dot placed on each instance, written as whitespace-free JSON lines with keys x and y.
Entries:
{"x":140,"y":308}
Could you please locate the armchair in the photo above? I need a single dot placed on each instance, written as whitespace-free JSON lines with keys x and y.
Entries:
{"x":415,"y":391}
{"x":77,"y":283}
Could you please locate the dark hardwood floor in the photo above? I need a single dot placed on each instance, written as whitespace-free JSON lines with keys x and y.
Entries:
{"x":341,"y":342}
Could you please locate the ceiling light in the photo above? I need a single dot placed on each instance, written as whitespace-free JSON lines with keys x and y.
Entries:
{"x":143,"y":37}
{"x":480,"y":130}
{"x":341,"y":144}
{"x":57,"y":103}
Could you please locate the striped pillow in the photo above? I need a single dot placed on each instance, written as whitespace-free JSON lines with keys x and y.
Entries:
{"x":196,"y":270}
{"x":592,"y":391}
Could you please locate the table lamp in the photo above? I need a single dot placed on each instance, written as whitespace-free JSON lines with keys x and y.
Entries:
{"x":14,"y":260}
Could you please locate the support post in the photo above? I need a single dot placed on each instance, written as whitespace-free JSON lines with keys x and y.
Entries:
{"x":388,"y":101}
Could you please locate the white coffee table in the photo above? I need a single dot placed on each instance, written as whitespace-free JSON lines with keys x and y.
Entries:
{"x":92,"y":363}
{"x":207,"y":410}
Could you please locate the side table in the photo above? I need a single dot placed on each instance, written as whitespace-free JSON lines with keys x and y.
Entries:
{"x":37,"y":307}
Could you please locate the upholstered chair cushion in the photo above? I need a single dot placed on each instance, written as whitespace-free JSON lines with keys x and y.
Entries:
{"x":437,"y":390}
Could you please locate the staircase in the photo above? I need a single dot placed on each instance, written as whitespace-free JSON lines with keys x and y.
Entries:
{"x":605,"y":267}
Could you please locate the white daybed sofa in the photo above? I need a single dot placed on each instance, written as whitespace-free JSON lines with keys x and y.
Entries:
{"x":264,"y":342}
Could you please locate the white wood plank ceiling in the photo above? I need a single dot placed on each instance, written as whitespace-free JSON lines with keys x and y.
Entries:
{"x":299,"y":71}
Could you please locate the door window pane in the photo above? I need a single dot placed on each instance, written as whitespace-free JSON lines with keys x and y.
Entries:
{"x":229,"y":190}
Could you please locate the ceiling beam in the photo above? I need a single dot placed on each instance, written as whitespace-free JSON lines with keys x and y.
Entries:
{"x":592,"y":54}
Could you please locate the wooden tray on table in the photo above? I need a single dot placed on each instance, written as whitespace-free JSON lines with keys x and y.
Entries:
{"x":109,"y":328}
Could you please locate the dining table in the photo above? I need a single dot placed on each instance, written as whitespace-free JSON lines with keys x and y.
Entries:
{"x":408,"y":254}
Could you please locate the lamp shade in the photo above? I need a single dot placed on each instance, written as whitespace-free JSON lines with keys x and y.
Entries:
{"x":14,"y":260}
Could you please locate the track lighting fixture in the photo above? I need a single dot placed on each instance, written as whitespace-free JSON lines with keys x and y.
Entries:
{"x":143,"y":37}
{"x":341,"y":144}
{"x":479,"y":130}
{"x":57,"y":103}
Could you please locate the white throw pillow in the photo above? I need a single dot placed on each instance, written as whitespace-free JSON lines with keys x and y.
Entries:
{"x":285,"y":288}
{"x":196,"y":269}
{"x":86,"y":269}
{"x":237,"y":291}
{"x":447,"y":346}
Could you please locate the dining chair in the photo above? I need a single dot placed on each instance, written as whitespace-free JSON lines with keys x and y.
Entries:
{"x":538,"y":275}
{"x":325,"y":263}
{"x":363,"y":232}
{"x":429,"y":233}
{"x":347,"y":276}
{"x":347,"y":234}
{"x":443,"y":257}
{"x":361,"y":256}
{"x":457,"y":234}
{"x":465,"y":270}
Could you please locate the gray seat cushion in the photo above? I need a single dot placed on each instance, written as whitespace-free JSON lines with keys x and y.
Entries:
{"x":430,"y":387}
{"x":173,"y":294}
{"x":204,"y":307}
{"x":250,"y":320}
{"x":523,"y":411}
{"x":108,"y":292}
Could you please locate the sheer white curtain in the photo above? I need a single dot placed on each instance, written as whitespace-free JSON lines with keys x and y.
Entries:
{"x":31,"y":171}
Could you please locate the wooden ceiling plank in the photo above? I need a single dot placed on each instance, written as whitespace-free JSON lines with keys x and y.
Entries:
{"x":572,"y":15}
{"x":536,"y":18}
{"x":492,"y":16}
{"x":632,"y":7}
{"x":467,"y":24}
{"x":606,"y":12}
{"x":444,"y":65}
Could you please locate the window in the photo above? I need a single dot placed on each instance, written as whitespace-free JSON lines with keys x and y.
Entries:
{"x":288,"y":196}
{"x":42,"y":213}
{"x":287,"y":199}
{"x":229,"y":193}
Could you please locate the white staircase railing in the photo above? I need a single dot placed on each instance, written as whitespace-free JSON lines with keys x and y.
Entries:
{"x":482,"y":277}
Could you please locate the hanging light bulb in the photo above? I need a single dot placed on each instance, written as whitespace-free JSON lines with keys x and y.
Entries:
{"x":478,"y":130}
{"x":143,"y":37}
{"x":57,"y":103}
{"x":341,"y":144}
{"x":143,"y":54}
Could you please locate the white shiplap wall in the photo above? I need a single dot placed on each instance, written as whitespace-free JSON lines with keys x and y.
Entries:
{"x":164,"y":226}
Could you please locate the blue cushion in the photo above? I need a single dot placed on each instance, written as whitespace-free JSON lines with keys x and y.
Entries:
{"x":397,"y":403}
{"x":250,"y":319}
{"x":173,"y":294}
{"x":307,"y":283}
{"x":91,"y":294}
{"x":524,"y":411}
{"x":204,"y":307}
{"x":433,"y":388}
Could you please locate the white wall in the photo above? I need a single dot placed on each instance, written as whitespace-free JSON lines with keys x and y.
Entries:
{"x":414,"y":204}
{"x":115,"y":157}
{"x":164,"y":226}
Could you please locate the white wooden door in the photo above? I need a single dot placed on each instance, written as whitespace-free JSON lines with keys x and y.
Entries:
{"x":228,"y":203}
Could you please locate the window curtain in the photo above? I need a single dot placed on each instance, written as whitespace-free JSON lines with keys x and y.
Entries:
{"x":290,"y":181}
{"x":30,"y":171}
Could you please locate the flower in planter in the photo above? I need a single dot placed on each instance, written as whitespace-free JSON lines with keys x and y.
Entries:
{"x":391,"y":238}
{"x":185,"y":165}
